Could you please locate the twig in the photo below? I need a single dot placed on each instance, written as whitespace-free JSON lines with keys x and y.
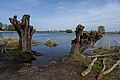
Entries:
{"x":104,"y":66}
{"x":84,"y":73}
{"x":105,"y":55}
{"x":99,"y":77}
{"x":103,"y":69}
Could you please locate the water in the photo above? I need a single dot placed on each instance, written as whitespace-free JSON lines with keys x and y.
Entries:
{"x":64,"y":43}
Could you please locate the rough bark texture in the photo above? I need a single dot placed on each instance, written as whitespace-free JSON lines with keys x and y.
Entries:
{"x":106,"y":71}
{"x":84,"y":73}
{"x":24,"y":30}
{"x":84,"y":40}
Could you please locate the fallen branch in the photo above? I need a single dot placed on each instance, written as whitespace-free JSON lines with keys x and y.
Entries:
{"x":84,"y":73}
{"x":104,"y":66}
{"x":99,"y":77}
{"x":105,"y":55}
{"x":103,"y":69}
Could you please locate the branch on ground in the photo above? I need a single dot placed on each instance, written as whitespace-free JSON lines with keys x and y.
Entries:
{"x":103,"y":71}
{"x":84,"y":73}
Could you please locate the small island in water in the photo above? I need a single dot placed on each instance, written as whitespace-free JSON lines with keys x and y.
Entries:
{"x":35,"y":51}
{"x":16,"y":55}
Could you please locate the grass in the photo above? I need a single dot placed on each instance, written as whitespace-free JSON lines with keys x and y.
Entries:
{"x":114,"y":75}
{"x":78,"y":57}
{"x":13,"y":43}
{"x":50,"y":43}
{"x":10,"y":42}
{"x":84,"y":62}
{"x":14,"y":51}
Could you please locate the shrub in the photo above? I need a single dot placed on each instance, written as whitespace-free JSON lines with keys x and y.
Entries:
{"x":68,"y":31}
{"x":50,"y":43}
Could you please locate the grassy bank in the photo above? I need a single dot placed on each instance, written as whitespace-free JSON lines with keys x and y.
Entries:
{"x":85,"y":61}
{"x":7,"y":31}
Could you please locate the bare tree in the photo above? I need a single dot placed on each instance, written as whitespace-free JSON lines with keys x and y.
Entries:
{"x":84,"y":40}
{"x":25,"y":32}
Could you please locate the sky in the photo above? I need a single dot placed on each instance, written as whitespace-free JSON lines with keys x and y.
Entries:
{"x":64,"y":14}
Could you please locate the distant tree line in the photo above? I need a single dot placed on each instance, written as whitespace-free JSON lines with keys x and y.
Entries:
{"x":101,"y":29}
{"x":6,"y":27}
{"x":67,"y":31}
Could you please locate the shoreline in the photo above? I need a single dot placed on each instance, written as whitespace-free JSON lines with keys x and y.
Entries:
{"x":58,"y":31}
{"x":8,"y":31}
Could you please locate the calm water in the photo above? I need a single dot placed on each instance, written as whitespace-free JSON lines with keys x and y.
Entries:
{"x":64,"y":43}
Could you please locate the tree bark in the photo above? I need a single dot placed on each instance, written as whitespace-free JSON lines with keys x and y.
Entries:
{"x":84,"y":73}
{"x":25,"y":32}
{"x":103,"y":71}
{"x":84,"y":40}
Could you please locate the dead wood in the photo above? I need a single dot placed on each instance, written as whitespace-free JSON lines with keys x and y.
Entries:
{"x":103,"y":71}
{"x":84,"y":40}
{"x":84,"y":73}
{"x":25,"y":32}
{"x":105,"y":55}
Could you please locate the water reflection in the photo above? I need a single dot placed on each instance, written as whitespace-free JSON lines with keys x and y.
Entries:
{"x":64,"y":43}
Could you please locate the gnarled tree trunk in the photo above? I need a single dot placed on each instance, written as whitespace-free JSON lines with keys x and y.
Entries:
{"x":25,"y":32}
{"x":84,"y":40}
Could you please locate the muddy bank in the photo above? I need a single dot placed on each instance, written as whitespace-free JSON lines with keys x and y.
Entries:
{"x":10,"y":62}
{"x":67,"y":68}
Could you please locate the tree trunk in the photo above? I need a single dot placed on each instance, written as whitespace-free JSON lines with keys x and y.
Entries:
{"x":84,"y":40}
{"x":25,"y":32}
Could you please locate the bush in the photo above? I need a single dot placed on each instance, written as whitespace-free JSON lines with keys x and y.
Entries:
{"x":118,"y":32}
{"x":68,"y":31}
{"x":50,"y":43}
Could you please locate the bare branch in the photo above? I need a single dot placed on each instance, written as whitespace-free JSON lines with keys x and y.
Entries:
{"x":84,"y":73}
{"x":83,"y":39}
{"x":104,"y":66}
{"x":105,"y":55}
{"x":99,"y":77}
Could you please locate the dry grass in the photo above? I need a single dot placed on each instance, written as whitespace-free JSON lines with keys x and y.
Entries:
{"x":13,"y":43}
{"x":10,"y":42}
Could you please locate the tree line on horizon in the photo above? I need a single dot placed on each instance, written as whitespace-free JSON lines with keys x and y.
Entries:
{"x":6,"y":27}
{"x":9,"y":27}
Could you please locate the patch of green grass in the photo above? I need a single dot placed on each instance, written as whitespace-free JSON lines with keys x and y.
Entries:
{"x":64,"y":58}
{"x":50,"y":43}
{"x":78,"y":57}
{"x":14,"y":51}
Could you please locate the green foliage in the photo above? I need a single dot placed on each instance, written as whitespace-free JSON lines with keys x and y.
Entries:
{"x":6,"y":27}
{"x":118,"y":32}
{"x":50,"y":43}
{"x":101,"y":29}
{"x":78,"y":57}
{"x":14,"y":51}
{"x":68,"y":31}
{"x":11,"y":28}
{"x":1,"y":25}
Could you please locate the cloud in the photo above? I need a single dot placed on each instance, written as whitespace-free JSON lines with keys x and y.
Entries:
{"x":65,"y":14}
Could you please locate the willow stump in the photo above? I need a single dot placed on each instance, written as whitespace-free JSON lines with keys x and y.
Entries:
{"x":25,"y":32}
{"x":84,"y":40}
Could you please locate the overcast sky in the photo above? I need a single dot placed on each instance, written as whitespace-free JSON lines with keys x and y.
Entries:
{"x":64,"y":14}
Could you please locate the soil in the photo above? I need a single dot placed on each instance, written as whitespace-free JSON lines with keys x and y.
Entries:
{"x":68,"y":70}
{"x":12,"y":68}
